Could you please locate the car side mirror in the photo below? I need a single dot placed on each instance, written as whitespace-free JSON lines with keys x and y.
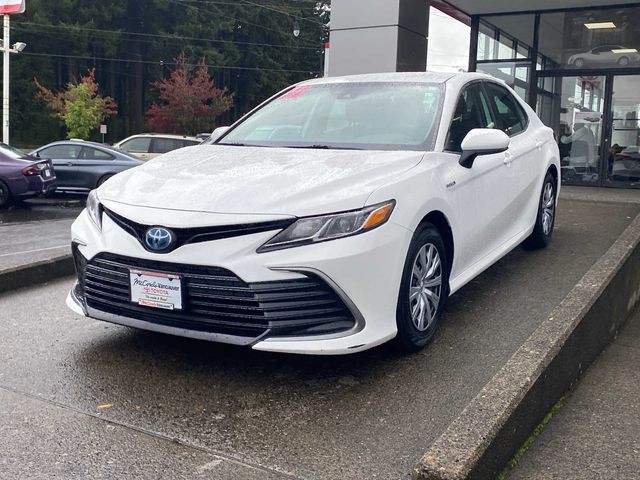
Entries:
{"x":482,"y":141}
{"x":218,"y":132}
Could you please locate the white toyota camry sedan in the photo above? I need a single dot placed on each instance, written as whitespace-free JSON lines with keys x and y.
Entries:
{"x":338,"y":215}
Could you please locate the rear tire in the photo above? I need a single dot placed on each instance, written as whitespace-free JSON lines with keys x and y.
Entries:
{"x":103,"y":179}
{"x":546,"y":218}
{"x":423,"y":291}
{"x":5,"y":195}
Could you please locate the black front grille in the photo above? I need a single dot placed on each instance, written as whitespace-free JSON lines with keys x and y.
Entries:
{"x":186,"y":236}
{"x":217,"y":301}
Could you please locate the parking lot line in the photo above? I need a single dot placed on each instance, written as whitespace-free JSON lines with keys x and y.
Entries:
{"x":34,"y":251}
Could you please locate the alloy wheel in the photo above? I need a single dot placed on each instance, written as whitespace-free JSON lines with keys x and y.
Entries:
{"x":426,"y":287}
{"x":548,"y":208}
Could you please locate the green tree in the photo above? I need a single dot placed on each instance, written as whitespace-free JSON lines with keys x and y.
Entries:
{"x":249,"y":46}
{"x":80,"y":107}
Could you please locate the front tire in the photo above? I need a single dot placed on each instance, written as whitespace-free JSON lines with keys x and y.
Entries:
{"x":623,"y":61}
{"x":423,"y":290}
{"x":546,"y":218}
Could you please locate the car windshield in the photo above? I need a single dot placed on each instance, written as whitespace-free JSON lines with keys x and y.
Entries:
{"x":370,"y":116}
{"x":10,"y":151}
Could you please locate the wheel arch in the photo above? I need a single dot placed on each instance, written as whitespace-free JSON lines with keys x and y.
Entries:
{"x":553,"y":170}
{"x":441,"y":222}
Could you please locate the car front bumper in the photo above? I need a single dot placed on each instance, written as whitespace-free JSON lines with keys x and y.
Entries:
{"x":362,"y":272}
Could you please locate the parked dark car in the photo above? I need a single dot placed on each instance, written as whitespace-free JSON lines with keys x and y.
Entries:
{"x":82,"y":166}
{"x":23,"y":176}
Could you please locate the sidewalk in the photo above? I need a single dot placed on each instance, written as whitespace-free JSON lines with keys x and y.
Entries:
{"x":597,"y":433}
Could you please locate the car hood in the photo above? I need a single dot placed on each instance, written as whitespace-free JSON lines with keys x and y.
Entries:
{"x":255,"y":180}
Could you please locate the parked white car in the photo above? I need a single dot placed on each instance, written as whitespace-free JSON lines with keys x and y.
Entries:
{"x":336,"y":216}
{"x":149,"y":145}
{"x":605,"y":55}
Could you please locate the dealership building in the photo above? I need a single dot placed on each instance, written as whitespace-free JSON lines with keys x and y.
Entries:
{"x":576,"y":62}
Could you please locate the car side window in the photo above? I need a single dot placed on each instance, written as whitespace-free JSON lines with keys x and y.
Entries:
{"x":89,"y":153}
{"x":512,"y":119}
{"x":62,"y":151}
{"x":136,"y":145}
{"x":164,"y":145}
{"x":472,"y":111}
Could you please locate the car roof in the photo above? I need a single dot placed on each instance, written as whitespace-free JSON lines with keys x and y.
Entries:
{"x":84,"y":143}
{"x":161,"y":135}
{"x":400,"y":77}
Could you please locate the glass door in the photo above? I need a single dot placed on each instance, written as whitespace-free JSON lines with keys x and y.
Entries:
{"x":574,"y":107}
{"x":623,"y":133}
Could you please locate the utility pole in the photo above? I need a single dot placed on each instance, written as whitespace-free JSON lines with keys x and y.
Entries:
{"x":5,"y":81}
{"x":7,"y":8}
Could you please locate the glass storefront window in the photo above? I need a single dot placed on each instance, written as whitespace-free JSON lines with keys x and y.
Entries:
{"x":623,"y":162}
{"x":515,"y":74}
{"x":574,"y":109}
{"x":584,"y":39}
{"x":505,"y":37}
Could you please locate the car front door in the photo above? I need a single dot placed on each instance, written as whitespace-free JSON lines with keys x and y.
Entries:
{"x":482,"y":194}
{"x":65,"y":163}
{"x":139,"y":147}
{"x":524,"y":157}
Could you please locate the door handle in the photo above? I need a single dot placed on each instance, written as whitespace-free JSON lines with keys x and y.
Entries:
{"x":508,"y":160}
{"x":539,"y":144}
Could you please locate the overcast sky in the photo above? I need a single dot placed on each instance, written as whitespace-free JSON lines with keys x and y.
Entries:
{"x":448,"y":43}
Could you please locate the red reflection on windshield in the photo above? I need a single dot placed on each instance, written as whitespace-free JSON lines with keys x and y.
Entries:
{"x":296,"y":92}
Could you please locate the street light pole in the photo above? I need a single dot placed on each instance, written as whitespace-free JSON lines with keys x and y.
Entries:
{"x":5,"y":81}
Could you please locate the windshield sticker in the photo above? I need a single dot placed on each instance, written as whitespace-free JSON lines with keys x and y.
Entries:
{"x":296,"y":92}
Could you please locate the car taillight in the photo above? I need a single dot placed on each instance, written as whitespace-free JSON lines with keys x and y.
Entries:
{"x":30,"y":170}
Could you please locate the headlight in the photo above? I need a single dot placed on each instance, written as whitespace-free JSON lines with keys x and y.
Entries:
{"x":310,"y":230}
{"x":94,"y":209}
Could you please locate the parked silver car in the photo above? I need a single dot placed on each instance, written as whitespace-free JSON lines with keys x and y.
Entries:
{"x":149,"y":145}
{"x":605,"y":55}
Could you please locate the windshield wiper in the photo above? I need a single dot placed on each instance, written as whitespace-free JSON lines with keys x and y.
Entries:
{"x":322,"y":147}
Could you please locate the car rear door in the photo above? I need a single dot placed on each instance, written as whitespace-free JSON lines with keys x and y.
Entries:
{"x":161,"y":145}
{"x":65,"y":163}
{"x":483,"y":193}
{"x":93,"y":164}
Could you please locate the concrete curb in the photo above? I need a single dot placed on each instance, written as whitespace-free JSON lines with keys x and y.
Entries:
{"x":37,"y":272}
{"x":489,"y":431}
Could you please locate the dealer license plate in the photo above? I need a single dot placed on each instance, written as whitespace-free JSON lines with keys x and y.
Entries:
{"x":156,"y":290}
{"x":46,"y":173}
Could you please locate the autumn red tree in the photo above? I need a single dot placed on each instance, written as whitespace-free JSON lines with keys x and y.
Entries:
{"x":189,"y":101}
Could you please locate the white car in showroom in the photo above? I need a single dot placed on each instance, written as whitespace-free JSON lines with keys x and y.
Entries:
{"x":338,"y":215}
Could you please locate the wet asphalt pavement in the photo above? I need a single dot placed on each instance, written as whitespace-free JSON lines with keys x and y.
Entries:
{"x":37,"y":229}
{"x":238,"y":414}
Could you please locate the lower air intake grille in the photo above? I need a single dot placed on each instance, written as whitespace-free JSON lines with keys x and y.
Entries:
{"x":217,"y":301}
